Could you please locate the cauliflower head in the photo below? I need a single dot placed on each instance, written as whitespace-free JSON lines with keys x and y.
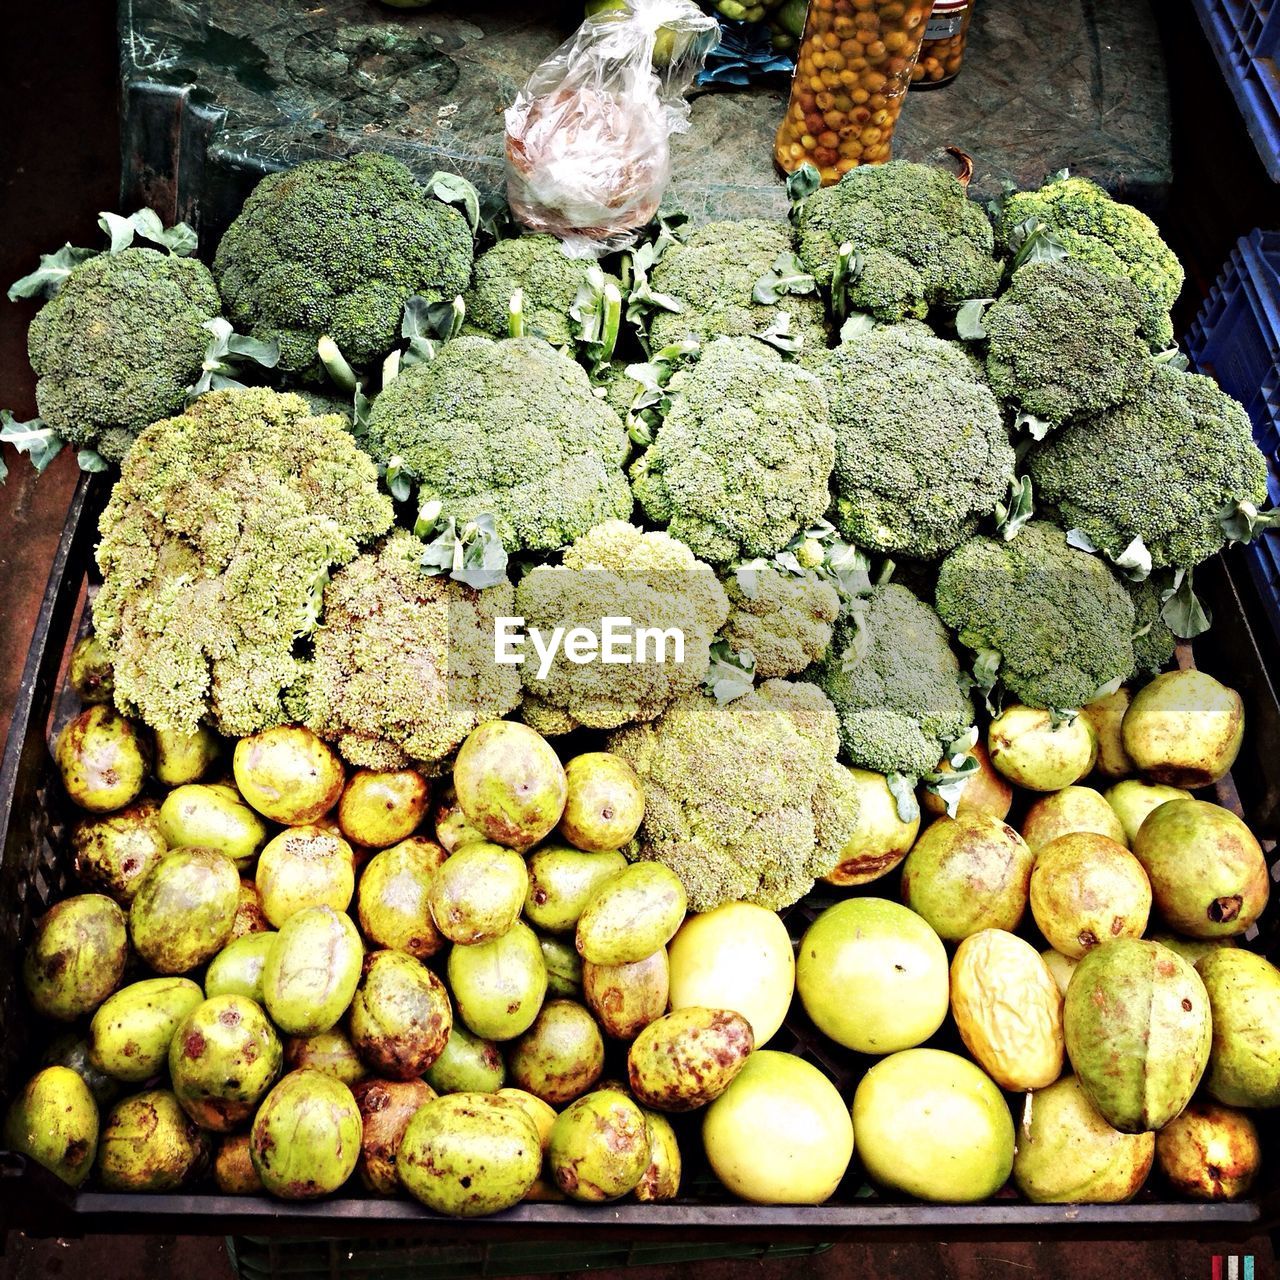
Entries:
{"x":119,"y":344}
{"x":219,"y":535}
{"x":742,"y":461}
{"x":338,"y":247}
{"x":731,"y":789}
{"x":509,"y":428}
{"x":403,"y":666}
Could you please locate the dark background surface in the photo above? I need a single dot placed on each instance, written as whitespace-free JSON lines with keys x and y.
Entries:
{"x":59,"y":165}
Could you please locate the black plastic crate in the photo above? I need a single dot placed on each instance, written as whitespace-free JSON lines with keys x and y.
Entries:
{"x":383,"y":1233}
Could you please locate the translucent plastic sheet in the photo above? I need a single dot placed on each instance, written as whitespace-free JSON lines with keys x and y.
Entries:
{"x":588,"y":137}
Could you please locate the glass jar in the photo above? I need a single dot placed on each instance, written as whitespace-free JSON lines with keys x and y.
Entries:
{"x":943,"y":47}
{"x":853,"y":69}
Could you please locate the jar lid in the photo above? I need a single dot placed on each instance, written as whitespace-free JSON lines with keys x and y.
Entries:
{"x":948,"y":6}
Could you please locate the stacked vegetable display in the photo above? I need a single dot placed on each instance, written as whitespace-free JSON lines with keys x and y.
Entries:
{"x":922,"y":497}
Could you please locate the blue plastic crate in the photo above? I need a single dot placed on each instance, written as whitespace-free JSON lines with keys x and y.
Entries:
{"x":1245,"y":38}
{"x":1236,"y":339}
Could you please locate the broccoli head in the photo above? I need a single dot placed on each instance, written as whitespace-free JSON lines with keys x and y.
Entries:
{"x":1063,"y":340}
{"x":1059,"y":619}
{"x":742,"y":461}
{"x":119,"y":344}
{"x":337,"y":247}
{"x":922,"y":453}
{"x":618,"y":571}
{"x":921,"y":242}
{"x":1153,"y":642}
{"x":783,"y":620}
{"x":731,"y":790}
{"x":1164,"y":467}
{"x":712,"y":274}
{"x":403,"y":667}
{"x":895,"y":684}
{"x":218,"y":537}
{"x":1116,"y":238}
{"x":510,"y":428}
{"x":549,"y":278}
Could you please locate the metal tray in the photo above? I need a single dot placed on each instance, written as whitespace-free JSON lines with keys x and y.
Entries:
{"x":35,"y":871}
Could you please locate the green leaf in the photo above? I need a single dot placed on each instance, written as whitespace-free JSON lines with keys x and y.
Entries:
{"x":40,"y":443}
{"x":91,"y":460}
{"x":731,"y":674}
{"x":747,"y":576}
{"x":780,"y":335}
{"x":1111,"y":686}
{"x":180,"y":239}
{"x":1081,"y":541}
{"x":361,"y":407}
{"x":1033,"y":240}
{"x":452,"y":189}
{"x":119,"y":230}
{"x":983,"y":678}
{"x":226,"y":352}
{"x":1134,"y":562}
{"x":1242,"y":521}
{"x":800,"y":186}
{"x":398,"y":478}
{"x":969,"y":326}
{"x":903,"y":790}
{"x":786,"y":276}
{"x":242,"y":347}
{"x":1016,"y":509}
{"x":848,"y":267}
{"x":856,"y":325}
{"x":1060,"y":717}
{"x":472,"y":553}
{"x":1181,"y":610}
{"x":51,"y":274}
{"x":949,"y":787}
{"x":1173,"y":358}
{"x":1036,"y":428}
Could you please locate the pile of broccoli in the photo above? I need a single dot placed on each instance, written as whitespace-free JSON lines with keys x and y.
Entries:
{"x":741,"y":464}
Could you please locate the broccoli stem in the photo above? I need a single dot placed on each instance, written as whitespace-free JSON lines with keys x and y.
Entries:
{"x":335,"y":364}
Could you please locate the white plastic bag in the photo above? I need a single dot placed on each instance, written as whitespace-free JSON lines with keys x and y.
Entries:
{"x":588,"y":154}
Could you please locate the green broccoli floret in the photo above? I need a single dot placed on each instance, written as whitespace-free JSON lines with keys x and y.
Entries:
{"x":1153,"y":642}
{"x":1059,"y":619}
{"x":1063,"y":340}
{"x":895,"y":684}
{"x":743,"y":458}
{"x":712,"y":275}
{"x":403,"y":667}
{"x":549,"y":278}
{"x":509,"y":428}
{"x":220,"y":532}
{"x":119,"y":344}
{"x":922,"y":453}
{"x":731,"y":789}
{"x":337,"y":247}
{"x":784,"y":620}
{"x":1116,"y":238}
{"x":920,"y":240}
{"x":1166,"y":467}
{"x":618,"y":571}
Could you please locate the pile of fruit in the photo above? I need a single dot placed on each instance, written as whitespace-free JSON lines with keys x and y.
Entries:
{"x":920,"y":494}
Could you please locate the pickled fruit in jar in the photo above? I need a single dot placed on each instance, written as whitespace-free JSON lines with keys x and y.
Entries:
{"x":853,"y":69}
{"x":942,"y":51}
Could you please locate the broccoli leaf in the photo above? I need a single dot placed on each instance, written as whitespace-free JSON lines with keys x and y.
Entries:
{"x":226,"y":352}
{"x":856,"y":324}
{"x":1016,"y":509}
{"x":1033,"y":240}
{"x":180,"y":239}
{"x":473,"y":554}
{"x":1182,"y":612}
{"x":51,"y":274}
{"x":969,"y":326}
{"x":731,"y":674}
{"x":1036,"y":428}
{"x":800,"y":186}
{"x":452,"y":189}
{"x":398,"y":478}
{"x":949,"y":786}
{"x":903,"y":790}
{"x":983,"y":678}
{"x":40,"y":443}
{"x":597,"y":313}
{"x":1173,"y":358}
{"x":340,"y":372}
{"x":786,"y":275}
{"x":425,"y":325}
{"x":781,"y":336}
{"x":91,"y":460}
{"x":1242,"y":521}
{"x":1134,"y":561}
{"x":848,"y":267}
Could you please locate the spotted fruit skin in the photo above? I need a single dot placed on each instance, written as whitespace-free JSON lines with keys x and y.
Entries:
{"x":400,"y":1016}
{"x":386,"y":1107}
{"x":1008,"y":1010}
{"x":103,"y":759}
{"x":631,"y":915}
{"x":468,"y":1064}
{"x":288,"y":774}
{"x":77,"y":957}
{"x":604,"y":804}
{"x":115,"y":852}
{"x":561,"y":1055}
{"x":599,"y":1148}
{"x":185,"y":909}
{"x":470,"y":1154}
{"x":131,"y":1031}
{"x":476,"y":896}
{"x":233,"y":1169}
{"x":305,"y":1140}
{"x":54,"y":1121}
{"x":562,"y":880}
{"x":148,"y":1143}
{"x":688,"y":1058}
{"x":378,"y":809}
{"x":393,"y":899}
{"x":212,"y":816}
{"x":1210,"y":1152}
{"x":498,"y":987}
{"x":661,"y":1180}
{"x":304,"y":867}
{"x":1244,"y":991}
{"x":626,"y":998}
{"x":312,"y":971}
{"x":510,"y":783}
{"x":1138,"y":1032}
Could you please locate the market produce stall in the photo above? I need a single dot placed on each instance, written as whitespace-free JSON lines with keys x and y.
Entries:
{"x":364,"y":892}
